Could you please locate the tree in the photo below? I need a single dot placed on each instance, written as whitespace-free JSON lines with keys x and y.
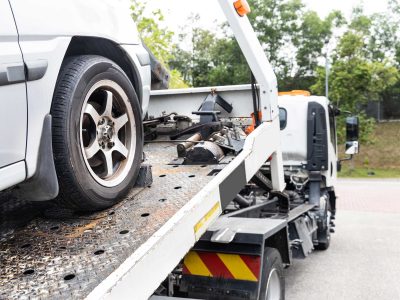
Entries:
{"x":211,"y":61}
{"x":276,"y":23}
{"x":357,"y":76}
{"x":310,"y":41}
{"x":292,"y":37}
{"x":156,"y":38}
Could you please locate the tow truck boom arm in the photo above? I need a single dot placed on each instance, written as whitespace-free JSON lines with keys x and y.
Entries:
{"x":256,"y":59}
{"x":266,"y":78}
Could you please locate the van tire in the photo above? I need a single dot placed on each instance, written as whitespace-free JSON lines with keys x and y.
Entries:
{"x":95,"y":109}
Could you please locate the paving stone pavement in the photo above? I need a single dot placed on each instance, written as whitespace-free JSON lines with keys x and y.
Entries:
{"x":363,"y":261}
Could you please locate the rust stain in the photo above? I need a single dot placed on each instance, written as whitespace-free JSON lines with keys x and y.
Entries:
{"x":157,"y":171}
{"x":80,"y":230}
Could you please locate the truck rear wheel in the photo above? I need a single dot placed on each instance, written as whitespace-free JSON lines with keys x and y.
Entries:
{"x":272,"y":279}
{"x":97,"y":133}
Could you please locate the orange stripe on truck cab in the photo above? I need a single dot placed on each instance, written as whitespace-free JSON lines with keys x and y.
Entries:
{"x":295,"y":93}
{"x":221,"y":265}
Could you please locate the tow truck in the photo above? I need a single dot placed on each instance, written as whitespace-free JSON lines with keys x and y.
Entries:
{"x":235,"y":183}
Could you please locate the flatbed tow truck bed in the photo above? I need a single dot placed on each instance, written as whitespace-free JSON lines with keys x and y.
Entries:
{"x":71,"y":258}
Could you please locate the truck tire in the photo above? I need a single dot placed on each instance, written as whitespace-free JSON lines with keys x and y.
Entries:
{"x":324,"y":245}
{"x":97,"y":133}
{"x":272,"y":278}
{"x":323,"y":232}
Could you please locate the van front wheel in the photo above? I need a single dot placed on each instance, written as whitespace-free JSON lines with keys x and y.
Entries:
{"x":97,"y":133}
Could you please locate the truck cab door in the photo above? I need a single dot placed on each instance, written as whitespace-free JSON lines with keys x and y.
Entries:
{"x":13,"y":100}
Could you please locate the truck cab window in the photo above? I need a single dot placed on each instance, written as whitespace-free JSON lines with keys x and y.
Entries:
{"x":283,"y":118}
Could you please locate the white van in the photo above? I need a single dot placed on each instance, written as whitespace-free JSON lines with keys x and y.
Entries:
{"x":74,"y":87}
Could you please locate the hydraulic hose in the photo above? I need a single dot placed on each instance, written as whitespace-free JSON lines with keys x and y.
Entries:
{"x":241,"y":201}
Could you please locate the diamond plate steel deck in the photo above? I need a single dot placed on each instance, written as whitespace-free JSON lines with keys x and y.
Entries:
{"x":67,"y":258}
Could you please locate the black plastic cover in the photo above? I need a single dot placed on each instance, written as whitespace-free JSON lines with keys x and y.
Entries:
{"x":317,"y":138}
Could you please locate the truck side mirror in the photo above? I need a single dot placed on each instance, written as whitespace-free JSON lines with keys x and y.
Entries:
{"x":352,"y":148}
{"x":352,"y":124}
{"x":352,"y":144}
{"x":352,"y":135}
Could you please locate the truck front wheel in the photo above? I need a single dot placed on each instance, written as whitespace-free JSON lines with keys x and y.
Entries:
{"x":323,"y":232}
{"x":97,"y":133}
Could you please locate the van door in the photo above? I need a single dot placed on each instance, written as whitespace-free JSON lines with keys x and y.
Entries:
{"x":13,"y":105}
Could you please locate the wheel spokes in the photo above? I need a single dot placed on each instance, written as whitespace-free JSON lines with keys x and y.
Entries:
{"x":109,"y":104}
{"x":120,"y":122}
{"x":105,"y":131}
{"x":92,"y":112}
{"x":92,"y":150}
{"x":109,"y":165}
{"x":119,"y":147}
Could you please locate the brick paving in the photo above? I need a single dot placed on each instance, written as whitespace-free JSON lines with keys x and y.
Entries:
{"x":369,"y":195}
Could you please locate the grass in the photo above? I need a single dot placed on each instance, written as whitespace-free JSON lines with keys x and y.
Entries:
{"x":380,"y":157}
{"x":368,"y":173}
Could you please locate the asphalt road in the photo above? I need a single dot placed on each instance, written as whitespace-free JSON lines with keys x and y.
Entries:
{"x":363,"y":261}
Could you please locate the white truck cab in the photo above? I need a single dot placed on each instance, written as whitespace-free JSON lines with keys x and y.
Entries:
{"x":304,"y":119}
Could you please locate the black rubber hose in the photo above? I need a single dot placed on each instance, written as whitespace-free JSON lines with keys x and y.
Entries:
{"x":243,"y":202}
{"x":294,"y":196}
{"x":256,"y":105}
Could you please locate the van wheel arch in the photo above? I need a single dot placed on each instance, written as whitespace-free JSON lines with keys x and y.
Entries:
{"x":81,"y":45}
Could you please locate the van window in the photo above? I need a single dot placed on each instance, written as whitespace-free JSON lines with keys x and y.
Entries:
{"x":283,"y":118}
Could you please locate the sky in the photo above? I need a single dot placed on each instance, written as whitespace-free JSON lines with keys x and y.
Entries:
{"x":176,"y":12}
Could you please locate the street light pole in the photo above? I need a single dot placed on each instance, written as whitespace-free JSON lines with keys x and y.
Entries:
{"x":327,"y":69}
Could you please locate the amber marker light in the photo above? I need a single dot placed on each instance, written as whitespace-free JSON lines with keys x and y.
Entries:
{"x":296,"y":93}
{"x":242,"y":7}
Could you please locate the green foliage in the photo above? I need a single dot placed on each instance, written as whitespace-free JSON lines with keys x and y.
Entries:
{"x":367,"y":127}
{"x":310,"y":41}
{"x":354,"y":78}
{"x":364,"y":63}
{"x":363,"y":69}
{"x":365,"y":172}
{"x":157,"y":38}
{"x":212,"y":61}
{"x":380,"y":157}
{"x":275,"y":22}
{"x":176,"y":80}
{"x":293,"y":38}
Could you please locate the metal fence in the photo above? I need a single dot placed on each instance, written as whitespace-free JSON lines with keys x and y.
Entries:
{"x":386,"y":110}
